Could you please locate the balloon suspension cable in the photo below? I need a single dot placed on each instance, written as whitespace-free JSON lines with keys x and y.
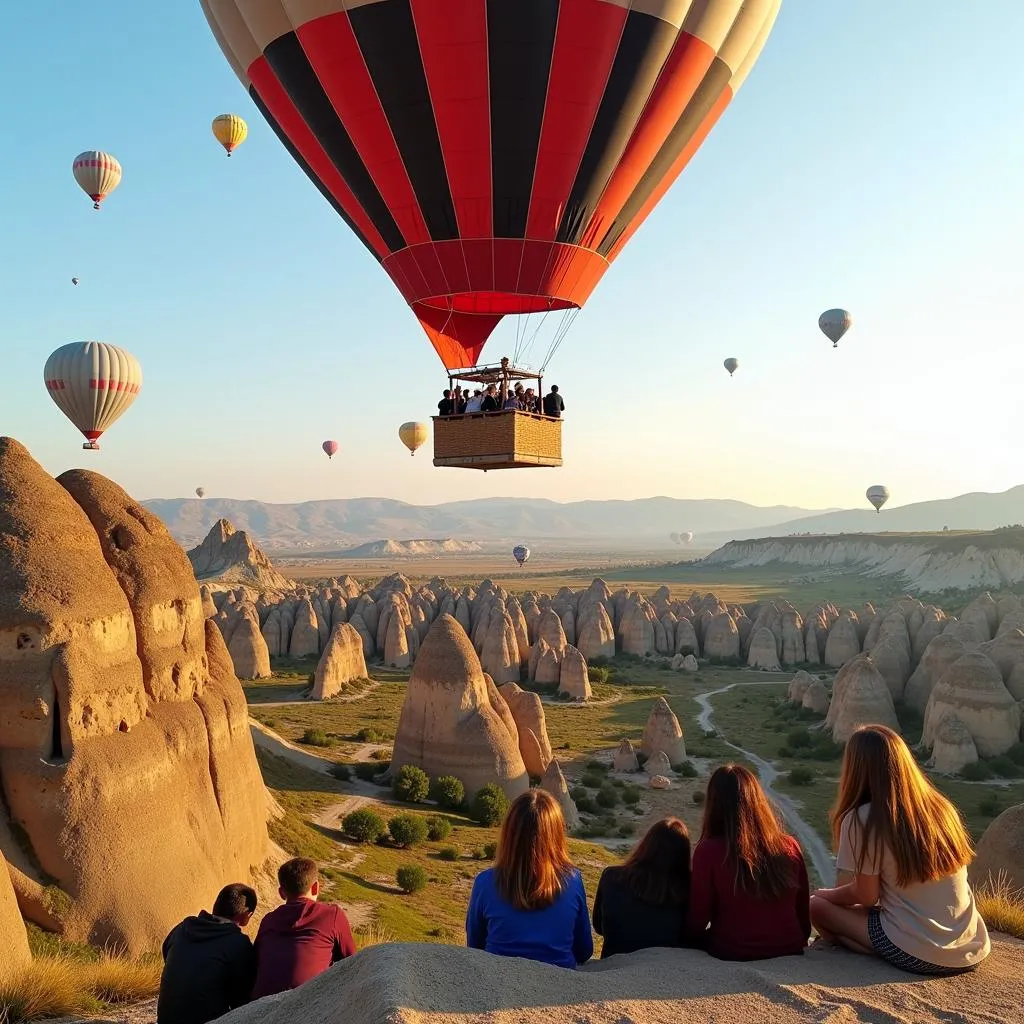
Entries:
{"x":527,"y":333}
{"x":568,"y":317}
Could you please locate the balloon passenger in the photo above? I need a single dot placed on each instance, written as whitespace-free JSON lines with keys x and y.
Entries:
{"x":749,"y":892}
{"x":553,"y":404}
{"x":532,"y":902}
{"x":905,"y":850}
{"x":446,"y":407}
{"x":643,"y":903}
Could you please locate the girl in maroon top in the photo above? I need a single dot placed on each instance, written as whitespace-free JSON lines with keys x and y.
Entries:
{"x":749,"y":897}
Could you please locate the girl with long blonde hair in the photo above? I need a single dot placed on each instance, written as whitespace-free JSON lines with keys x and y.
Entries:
{"x":532,"y":902}
{"x":905,"y":850}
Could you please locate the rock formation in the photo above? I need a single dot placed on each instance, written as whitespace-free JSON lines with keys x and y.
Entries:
{"x":231,"y":556}
{"x":625,"y":759}
{"x":722,"y":638}
{"x":842,"y":643}
{"x":447,"y":725}
{"x":660,"y":782}
{"x":860,"y":696}
{"x":528,"y":713}
{"x":659,"y":763}
{"x":13,"y":937}
{"x":953,"y":745}
{"x":118,"y":703}
{"x":815,"y":697}
{"x":798,"y":686}
{"x":249,"y":653}
{"x":595,"y":637}
{"x":305,"y":637}
{"x":553,"y":781}
{"x":573,"y":680}
{"x":1000,"y":852}
{"x":341,"y":663}
{"x":763,"y":653}
{"x":973,"y":689}
{"x":663,"y":732}
{"x":940,"y":653}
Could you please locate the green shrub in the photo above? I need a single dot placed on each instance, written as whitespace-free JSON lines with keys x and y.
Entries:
{"x":448,"y":853}
{"x":411,"y":878}
{"x":489,"y":805}
{"x":367,"y":770}
{"x":368,"y":736}
{"x":341,"y":771}
{"x":592,"y":780}
{"x":990,"y":807}
{"x":698,"y":796}
{"x":363,"y":826}
{"x":579,"y":793}
{"x":438,"y":828}
{"x":631,"y":796}
{"x":383,"y":754}
{"x":1006,"y":767}
{"x":785,"y":751}
{"x":598,"y":674}
{"x":608,"y":796}
{"x":490,"y":850}
{"x":315,"y":738}
{"x":478,"y":853}
{"x":596,"y":766}
{"x":407,"y":829}
{"x":687,"y":769}
{"x":801,"y":777}
{"x":411,"y":784}
{"x":798,"y":739}
{"x":977,"y":771}
{"x":627,"y":830}
{"x":1016,"y":753}
{"x":448,"y":792}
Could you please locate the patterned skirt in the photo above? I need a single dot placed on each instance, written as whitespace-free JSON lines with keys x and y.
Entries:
{"x":892,"y":954}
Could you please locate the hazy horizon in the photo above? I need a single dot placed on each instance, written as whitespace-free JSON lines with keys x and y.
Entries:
{"x":263,"y":327}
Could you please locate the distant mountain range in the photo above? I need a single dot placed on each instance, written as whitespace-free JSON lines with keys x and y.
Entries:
{"x":343,"y":523}
{"x":340,"y":524}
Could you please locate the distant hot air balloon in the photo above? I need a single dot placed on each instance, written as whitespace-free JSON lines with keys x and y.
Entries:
{"x":878,"y":496}
{"x":97,"y":174}
{"x":330,"y":448}
{"x":732,"y":365}
{"x":230,"y":131}
{"x":200,"y":492}
{"x":74,"y":280}
{"x":686,"y":537}
{"x":674,"y":537}
{"x":834,"y":323}
{"x":496,"y":157}
{"x":521,"y":553}
{"x":92,"y":383}
{"x":412,"y":435}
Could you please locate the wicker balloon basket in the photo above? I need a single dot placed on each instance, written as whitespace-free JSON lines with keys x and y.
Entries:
{"x":497,"y":440}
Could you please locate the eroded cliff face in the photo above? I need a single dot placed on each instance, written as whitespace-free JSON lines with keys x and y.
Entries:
{"x":921,"y":565}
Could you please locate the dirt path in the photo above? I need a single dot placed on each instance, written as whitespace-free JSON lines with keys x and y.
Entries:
{"x":304,"y":701}
{"x":819,"y":853}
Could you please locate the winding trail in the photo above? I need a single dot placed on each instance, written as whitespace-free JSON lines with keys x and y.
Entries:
{"x":818,"y":852}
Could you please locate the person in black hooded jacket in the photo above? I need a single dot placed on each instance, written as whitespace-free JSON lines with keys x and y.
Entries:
{"x":209,"y":962}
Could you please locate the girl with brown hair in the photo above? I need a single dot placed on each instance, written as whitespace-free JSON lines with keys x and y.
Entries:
{"x":906,"y":851}
{"x":532,"y":902}
{"x":749,"y":890}
{"x":642,"y":903}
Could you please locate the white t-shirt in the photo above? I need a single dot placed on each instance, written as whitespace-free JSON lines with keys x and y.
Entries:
{"x":935,"y":921}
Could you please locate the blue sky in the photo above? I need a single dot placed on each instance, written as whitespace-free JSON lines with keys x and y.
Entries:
{"x":872,"y":160}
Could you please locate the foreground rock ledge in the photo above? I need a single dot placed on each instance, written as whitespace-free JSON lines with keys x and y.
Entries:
{"x":430,"y":984}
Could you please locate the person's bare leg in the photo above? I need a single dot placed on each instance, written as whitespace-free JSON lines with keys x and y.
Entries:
{"x":846,"y":925}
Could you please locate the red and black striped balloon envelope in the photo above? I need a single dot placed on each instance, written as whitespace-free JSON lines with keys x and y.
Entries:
{"x":494,"y":155}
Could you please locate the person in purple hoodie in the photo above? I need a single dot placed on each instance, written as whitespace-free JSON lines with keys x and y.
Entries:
{"x":302,"y":938}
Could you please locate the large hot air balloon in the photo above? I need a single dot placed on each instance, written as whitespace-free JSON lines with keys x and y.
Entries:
{"x":230,"y":131}
{"x":200,"y":492}
{"x":732,"y":365}
{"x":521,"y":553}
{"x":412,"y":435}
{"x":93,"y":384}
{"x":97,"y":174}
{"x":878,"y":496}
{"x":494,"y":156}
{"x":834,"y":323}
{"x":330,"y":448}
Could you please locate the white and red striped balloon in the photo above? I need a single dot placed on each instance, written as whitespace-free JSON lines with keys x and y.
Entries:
{"x":93,"y":384}
{"x":97,"y":174}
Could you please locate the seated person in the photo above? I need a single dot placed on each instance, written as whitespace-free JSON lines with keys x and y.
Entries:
{"x":749,"y":894}
{"x":302,"y":938}
{"x":209,"y":963}
{"x":532,"y":902}
{"x":643,"y":902}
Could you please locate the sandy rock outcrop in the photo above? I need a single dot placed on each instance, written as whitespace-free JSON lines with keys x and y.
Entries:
{"x":686,"y":638}
{"x":663,"y":732}
{"x":815,"y":698}
{"x":953,"y":745}
{"x":249,"y":653}
{"x":553,"y":782}
{"x":636,"y":631}
{"x":1006,"y":652}
{"x":341,"y":663}
{"x":940,"y":653}
{"x":625,"y":759}
{"x":231,"y":556}
{"x":13,"y":937}
{"x":798,"y":686}
{"x":500,"y":651}
{"x":305,"y":635}
{"x":860,"y":696}
{"x":722,"y":638}
{"x":842,"y":644}
{"x":1000,"y":851}
{"x":595,"y":637}
{"x":793,"y":651}
{"x":528,"y":713}
{"x":763,"y":653}
{"x":660,"y":782}
{"x":118,"y":703}
{"x":892,"y":659}
{"x":658,"y":764}
{"x":447,"y":725}
{"x":573,"y":680}
{"x":972,"y":688}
